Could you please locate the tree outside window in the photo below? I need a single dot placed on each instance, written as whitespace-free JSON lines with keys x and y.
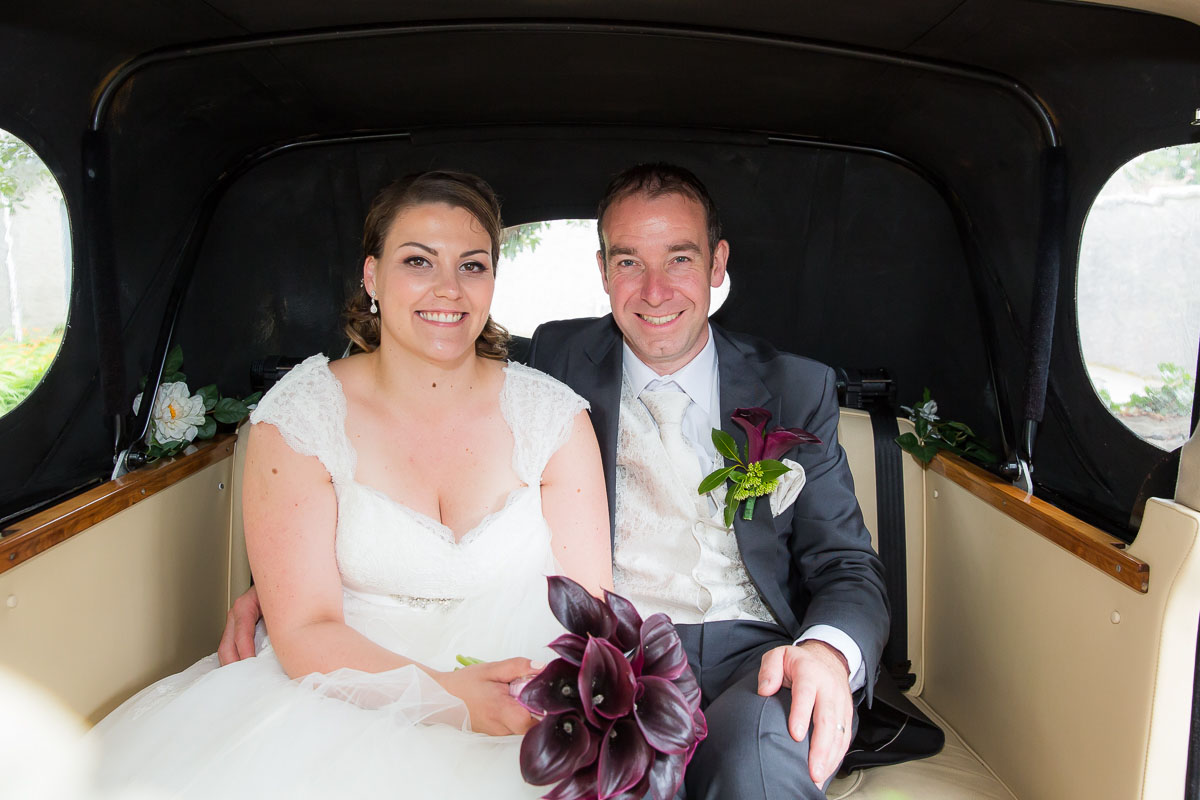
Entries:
{"x":35,"y":277}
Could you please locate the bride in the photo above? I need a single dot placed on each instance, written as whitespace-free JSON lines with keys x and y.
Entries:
{"x":402,"y":507}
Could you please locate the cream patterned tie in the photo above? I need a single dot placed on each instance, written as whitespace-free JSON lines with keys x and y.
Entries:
{"x":668,"y":409}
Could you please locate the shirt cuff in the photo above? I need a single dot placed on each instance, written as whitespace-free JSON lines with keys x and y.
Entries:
{"x":839,"y":640}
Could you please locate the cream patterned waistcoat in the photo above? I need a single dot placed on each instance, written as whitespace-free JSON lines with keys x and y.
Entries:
{"x":672,"y":553}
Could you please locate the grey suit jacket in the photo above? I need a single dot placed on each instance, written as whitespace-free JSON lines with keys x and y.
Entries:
{"x":813,"y":564}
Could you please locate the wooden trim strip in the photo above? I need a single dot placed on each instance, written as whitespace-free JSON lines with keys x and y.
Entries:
{"x":35,"y":534}
{"x":1103,"y":551}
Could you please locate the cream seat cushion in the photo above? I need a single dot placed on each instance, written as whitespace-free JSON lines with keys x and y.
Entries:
{"x":953,"y":774}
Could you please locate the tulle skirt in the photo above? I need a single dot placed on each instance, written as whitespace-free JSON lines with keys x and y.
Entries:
{"x":247,"y":730}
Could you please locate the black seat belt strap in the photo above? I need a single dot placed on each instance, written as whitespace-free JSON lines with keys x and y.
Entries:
{"x":873,"y":391}
{"x":889,"y":501}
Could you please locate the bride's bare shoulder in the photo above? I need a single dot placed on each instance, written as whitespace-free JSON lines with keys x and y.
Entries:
{"x":351,"y":371}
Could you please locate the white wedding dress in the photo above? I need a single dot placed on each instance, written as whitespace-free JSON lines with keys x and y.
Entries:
{"x":246,"y":730}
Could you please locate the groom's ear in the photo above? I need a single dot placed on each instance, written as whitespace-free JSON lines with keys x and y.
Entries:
{"x":719,"y":261}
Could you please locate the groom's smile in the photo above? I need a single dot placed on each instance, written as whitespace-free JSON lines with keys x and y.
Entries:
{"x":659,"y":271}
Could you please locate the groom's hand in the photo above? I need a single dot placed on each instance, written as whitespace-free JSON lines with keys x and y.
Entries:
{"x":237,"y":641}
{"x":484,"y":688}
{"x":819,"y":679}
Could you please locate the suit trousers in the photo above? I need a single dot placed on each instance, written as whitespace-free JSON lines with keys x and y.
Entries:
{"x":749,"y":754}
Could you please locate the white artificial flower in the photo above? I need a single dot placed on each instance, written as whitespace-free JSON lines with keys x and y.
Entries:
{"x":176,"y":415}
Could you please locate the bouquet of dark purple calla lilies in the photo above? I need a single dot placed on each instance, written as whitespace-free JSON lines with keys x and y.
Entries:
{"x":620,"y":706}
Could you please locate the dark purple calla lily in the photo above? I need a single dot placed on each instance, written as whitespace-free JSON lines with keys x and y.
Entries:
{"x":700,"y":729}
{"x":625,"y":757}
{"x":570,"y":647}
{"x":666,"y":773}
{"x":664,"y":716}
{"x":578,"y":611}
{"x":763,"y":445}
{"x":637,"y":792}
{"x":662,"y":649}
{"x":690,"y":689}
{"x":580,"y":786}
{"x":555,"y":748}
{"x":780,"y":440}
{"x":606,"y":683}
{"x":629,"y":621}
{"x":555,"y":689}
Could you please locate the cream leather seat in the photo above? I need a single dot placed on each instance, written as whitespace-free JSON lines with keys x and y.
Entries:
{"x":956,"y":772}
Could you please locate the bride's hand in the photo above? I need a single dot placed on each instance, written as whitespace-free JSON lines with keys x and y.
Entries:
{"x":484,"y":690}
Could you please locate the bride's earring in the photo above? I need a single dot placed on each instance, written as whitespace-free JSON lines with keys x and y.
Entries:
{"x":374,"y":305}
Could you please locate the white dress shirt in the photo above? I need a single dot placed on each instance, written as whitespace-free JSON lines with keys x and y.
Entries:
{"x":700,"y":380}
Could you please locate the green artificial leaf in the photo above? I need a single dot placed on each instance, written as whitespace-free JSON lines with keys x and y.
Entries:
{"x":174,"y":360}
{"x":980,"y":452}
{"x":725,"y":445}
{"x":210,"y":394}
{"x":737,"y":477}
{"x":157,"y":451}
{"x":142,"y":383}
{"x":230,"y":411}
{"x":925,"y":453}
{"x":714,"y":480}
{"x":252,"y":399}
{"x":730,"y":512}
{"x":772,"y":469}
{"x":959,"y":426}
{"x":174,"y":377}
{"x":907,"y":442}
{"x":208,"y":429}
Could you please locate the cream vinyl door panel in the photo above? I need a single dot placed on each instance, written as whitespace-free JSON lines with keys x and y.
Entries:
{"x":1066,"y":682}
{"x":135,"y":597}
{"x":857,"y":439}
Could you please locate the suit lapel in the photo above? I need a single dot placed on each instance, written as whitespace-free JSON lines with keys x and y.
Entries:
{"x":602,"y":388}
{"x":742,"y":387}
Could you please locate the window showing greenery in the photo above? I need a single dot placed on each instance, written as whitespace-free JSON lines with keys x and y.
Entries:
{"x":35,"y":281}
{"x":548,"y":271}
{"x":1139,"y":293}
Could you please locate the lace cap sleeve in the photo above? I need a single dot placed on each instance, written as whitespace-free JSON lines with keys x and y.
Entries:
{"x":541,"y":412}
{"x":309,"y":409}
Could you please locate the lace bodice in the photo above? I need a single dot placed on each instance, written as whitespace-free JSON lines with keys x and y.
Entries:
{"x":392,"y":552}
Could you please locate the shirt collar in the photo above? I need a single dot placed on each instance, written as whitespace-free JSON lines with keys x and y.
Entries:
{"x":694,"y":377}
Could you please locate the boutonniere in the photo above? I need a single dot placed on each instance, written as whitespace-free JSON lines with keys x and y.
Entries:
{"x":760,"y":472}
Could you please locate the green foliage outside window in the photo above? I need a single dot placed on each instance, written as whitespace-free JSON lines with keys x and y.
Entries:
{"x":527,"y":237}
{"x":1164,"y":167}
{"x":22,"y":365}
{"x":1172,"y":399}
{"x":20,"y":171}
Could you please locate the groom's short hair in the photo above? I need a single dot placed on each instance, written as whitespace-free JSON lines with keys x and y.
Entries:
{"x":655,"y":180}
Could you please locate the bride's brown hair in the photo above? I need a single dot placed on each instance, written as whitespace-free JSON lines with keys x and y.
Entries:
{"x":457,"y":189}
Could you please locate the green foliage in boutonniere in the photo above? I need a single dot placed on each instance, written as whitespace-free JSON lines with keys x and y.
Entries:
{"x":756,"y":472}
{"x":180,"y":417}
{"x":932,"y":433}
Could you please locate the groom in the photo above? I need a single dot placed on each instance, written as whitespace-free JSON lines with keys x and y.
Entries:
{"x":785,"y":617}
